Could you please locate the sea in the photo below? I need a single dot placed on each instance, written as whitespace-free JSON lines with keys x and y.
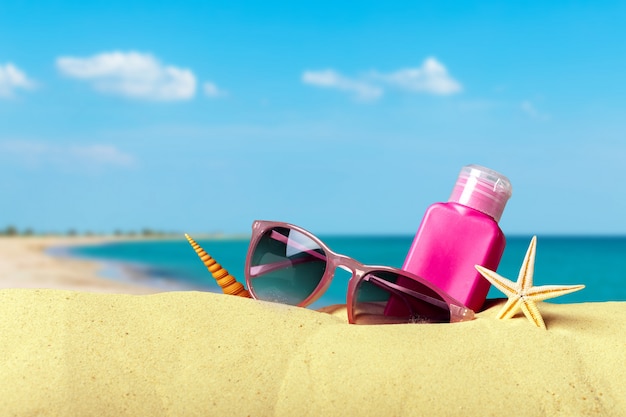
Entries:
{"x":598,"y":262}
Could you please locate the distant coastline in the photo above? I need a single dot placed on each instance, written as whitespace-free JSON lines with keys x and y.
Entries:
{"x":88,"y":237}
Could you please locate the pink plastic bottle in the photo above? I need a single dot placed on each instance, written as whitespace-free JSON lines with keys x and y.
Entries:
{"x":455,"y":236}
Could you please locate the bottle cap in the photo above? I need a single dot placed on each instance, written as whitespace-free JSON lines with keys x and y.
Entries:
{"x":482,"y":189}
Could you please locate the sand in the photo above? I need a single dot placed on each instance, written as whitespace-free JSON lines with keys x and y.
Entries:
{"x":78,"y":353}
{"x":24,"y":263}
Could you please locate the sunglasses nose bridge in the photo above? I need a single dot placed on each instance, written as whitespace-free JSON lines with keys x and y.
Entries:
{"x":349,"y":265}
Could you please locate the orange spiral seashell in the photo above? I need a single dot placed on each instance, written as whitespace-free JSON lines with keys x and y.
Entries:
{"x":227,"y":282}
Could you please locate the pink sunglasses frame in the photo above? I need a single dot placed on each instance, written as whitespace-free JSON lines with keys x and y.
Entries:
{"x":458,"y":311}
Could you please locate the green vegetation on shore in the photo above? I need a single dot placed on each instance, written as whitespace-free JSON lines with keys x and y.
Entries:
{"x":145,"y":232}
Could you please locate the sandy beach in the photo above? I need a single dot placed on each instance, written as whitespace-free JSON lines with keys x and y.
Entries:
{"x":94,"y":347}
{"x":24,"y":263}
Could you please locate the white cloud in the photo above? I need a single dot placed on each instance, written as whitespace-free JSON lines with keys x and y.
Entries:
{"x":35,"y":154}
{"x":432,"y":77}
{"x":131,"y":74}
{"x":101,"y":155}
{"x":12,"y":78}
{"x":332,"y":79}
{"x":211,"y":90}
{"x":528,"y":108}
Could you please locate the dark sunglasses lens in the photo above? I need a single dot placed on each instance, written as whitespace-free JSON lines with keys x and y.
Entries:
{"x":379,"y":300}
{"x":286,"y":266}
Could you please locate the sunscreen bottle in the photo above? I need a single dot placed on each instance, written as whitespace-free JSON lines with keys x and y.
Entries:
{"x":455,"y":236}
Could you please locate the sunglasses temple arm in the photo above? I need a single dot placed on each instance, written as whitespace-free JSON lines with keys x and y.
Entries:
{"x":400,"y":294}
{"x":381,"y":283}
{"x":399,"y":290}
{"x":259,"y":270}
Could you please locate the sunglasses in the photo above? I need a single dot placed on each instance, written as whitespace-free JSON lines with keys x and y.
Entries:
{"x":289,"y":265}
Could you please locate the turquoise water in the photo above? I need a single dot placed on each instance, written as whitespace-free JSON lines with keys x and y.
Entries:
{"x":597,"y":262}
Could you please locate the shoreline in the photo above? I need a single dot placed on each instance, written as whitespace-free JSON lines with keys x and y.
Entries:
{"x":125,"y":271}
{"x":27,"y":262}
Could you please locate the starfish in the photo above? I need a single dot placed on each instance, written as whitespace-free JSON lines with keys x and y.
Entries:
{"x":522,"y":295}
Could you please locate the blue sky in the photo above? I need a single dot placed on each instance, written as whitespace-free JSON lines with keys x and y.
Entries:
{"x":342,"y":117}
